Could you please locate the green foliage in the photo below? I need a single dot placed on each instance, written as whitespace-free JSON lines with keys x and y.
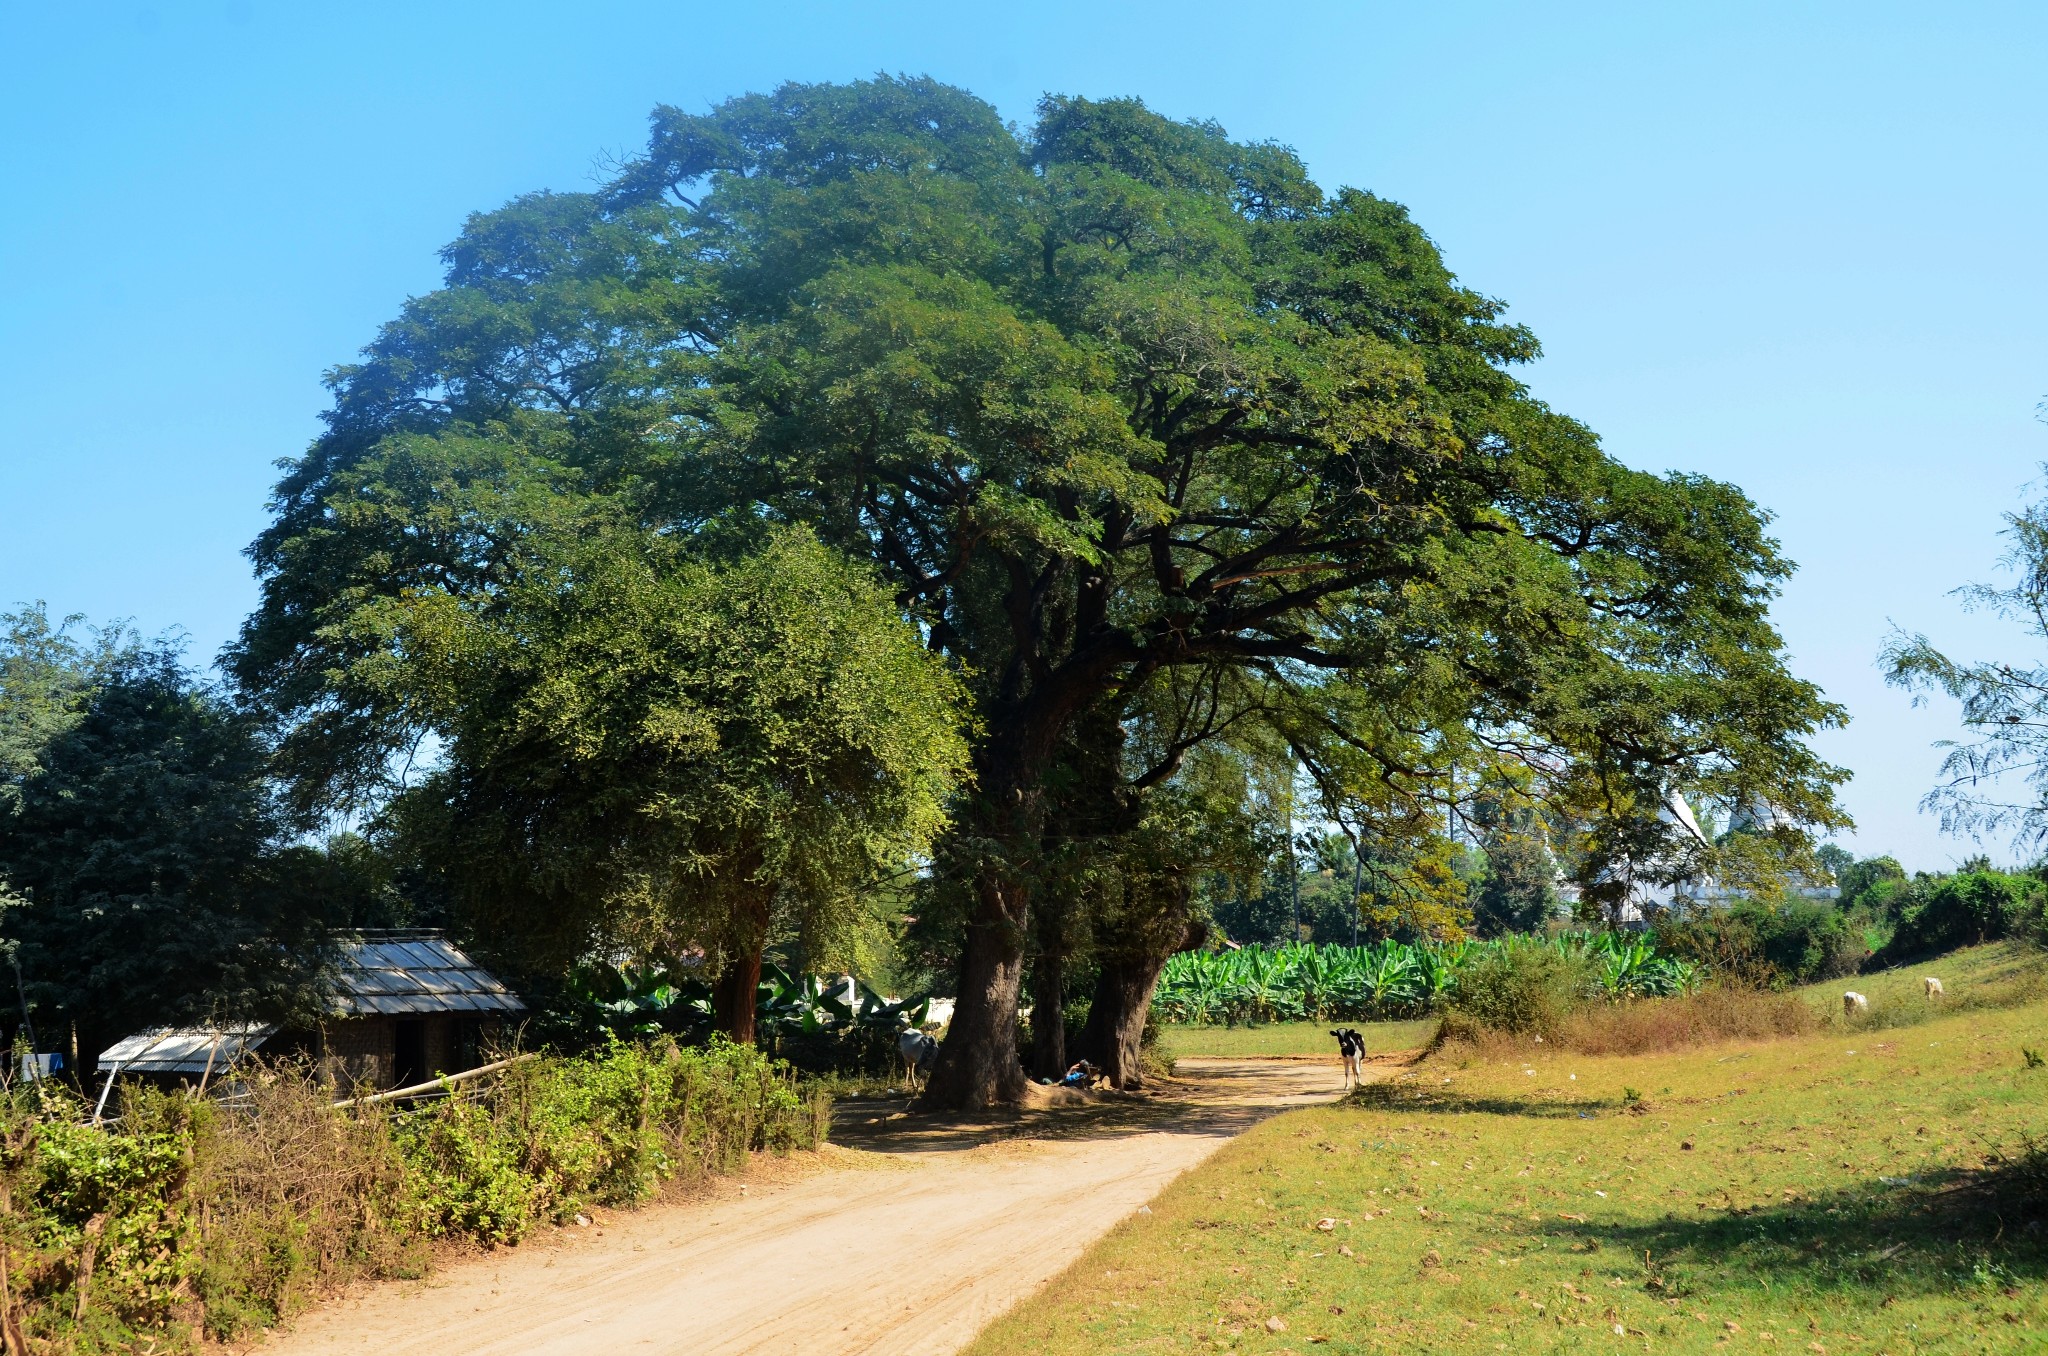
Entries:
{"x":255,"y":1210}
{"x":1517,"y":888}
{"x":1524,"y":986}
{"x":126,"y":1192}
{"x":148,"y":854}
{"x":2004,"y":706}
{"x":1387,"y":980}
{"x":46,"y":675}
{"x":602,"y":1003}
{"x":647,"y":748}
{"x":1103,"y":401}
{"x":555,"y":1134}
{"x":1870,"y":883}
{"x":1795,"y":941}
{"x":1964,"y":909}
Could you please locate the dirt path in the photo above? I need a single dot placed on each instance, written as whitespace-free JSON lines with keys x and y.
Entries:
{"x":909,"y":1238}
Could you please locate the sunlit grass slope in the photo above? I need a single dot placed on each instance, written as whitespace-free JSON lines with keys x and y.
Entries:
{"x":1293,"y":1038}
{"x":1998,"y":975}
{"x":1843,"y":1192}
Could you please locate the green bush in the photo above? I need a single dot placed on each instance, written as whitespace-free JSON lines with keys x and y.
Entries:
{"x":1773,"y":945}
{"x":1965,"y":909}
{"x":1524,"y":987}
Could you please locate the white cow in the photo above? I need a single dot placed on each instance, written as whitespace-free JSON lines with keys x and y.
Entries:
{"x":1853,"y":1003}
{"x":918,"y":1050}
{"x":1934,"y":989}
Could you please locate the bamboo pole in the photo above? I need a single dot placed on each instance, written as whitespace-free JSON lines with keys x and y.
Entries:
{"x":211,"y":1055}
{"x":433,"y":1085}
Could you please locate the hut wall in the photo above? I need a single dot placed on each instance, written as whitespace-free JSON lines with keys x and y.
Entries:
{"x":358,"y":1052}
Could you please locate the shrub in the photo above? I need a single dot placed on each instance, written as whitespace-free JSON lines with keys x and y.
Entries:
{"x":1965,"y":909}
{"x":1523,"y":987}
{"x":290,"y":1197}
{"x":1724,"y":1012}
{"x":1771,"y":945}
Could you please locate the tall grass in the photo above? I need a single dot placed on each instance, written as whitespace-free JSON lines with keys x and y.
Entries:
{"x":192,"y":1216}
{"x":1389,"y":980}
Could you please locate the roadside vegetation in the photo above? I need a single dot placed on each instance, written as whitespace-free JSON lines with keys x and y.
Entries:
{"x":191,"y":1216}
{"x":1860,"y":1187}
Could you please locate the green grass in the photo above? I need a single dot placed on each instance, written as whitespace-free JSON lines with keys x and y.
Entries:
{"x":1990,"y":976}
{"x":1293,"y":1038}
{"x":1843,"y":1192}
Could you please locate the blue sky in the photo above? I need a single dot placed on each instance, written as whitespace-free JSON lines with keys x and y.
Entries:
{"x":1796,"y":247}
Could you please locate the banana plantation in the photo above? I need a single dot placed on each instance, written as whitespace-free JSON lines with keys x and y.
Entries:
{"x":1387,"y":980}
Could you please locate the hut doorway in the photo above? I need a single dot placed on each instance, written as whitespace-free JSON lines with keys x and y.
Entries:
{"x":410,"y":1053}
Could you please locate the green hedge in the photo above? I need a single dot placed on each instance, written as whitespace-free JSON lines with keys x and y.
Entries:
{"x":1960,"y":910}
{"x":1770,"y":944}
{"x":190,"y":1215}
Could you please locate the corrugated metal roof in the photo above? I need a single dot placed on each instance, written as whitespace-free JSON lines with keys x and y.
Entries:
{"x":388,"y":974}
{"x":406,"y":973}
{"x":183,"y":1049}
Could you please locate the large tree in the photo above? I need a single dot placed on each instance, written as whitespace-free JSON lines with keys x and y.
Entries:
{"x":1116,"y":397}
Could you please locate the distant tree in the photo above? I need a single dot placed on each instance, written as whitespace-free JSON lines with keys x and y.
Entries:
{"x":46,"y":674}
{"x":1866,"y":882}
{"x":1518,"y":890}
{"x":144,"y":846}
{"x":1834,"y":859}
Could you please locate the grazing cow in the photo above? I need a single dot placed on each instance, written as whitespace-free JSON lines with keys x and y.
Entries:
{"x":1853,"y":1003}
{"x":1351,"y":1045}
{"x":1934,"y":989}
{"x":918,"y":1051}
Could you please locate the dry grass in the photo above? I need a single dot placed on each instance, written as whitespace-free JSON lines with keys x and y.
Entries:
{"x":1645,"y":1026}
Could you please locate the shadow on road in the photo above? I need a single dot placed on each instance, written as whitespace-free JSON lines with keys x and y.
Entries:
{"x":1207,"y":1096}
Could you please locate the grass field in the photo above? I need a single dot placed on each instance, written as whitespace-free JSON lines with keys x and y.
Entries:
{"x":1851,"y":1191}
{"x":1293,"y":1038}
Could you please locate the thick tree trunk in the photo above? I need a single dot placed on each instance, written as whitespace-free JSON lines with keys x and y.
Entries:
{"x":1123,"y":998}
{"x":734,"y":996}
{"x":1048,"y":1020}
{"x":977,"y":1064}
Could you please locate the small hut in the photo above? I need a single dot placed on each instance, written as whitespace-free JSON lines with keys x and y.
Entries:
{"x":406,"y":1007}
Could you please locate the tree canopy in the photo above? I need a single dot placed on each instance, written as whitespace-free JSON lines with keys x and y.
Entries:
{"x":645,"y":749}
{"x":1107,"y":400}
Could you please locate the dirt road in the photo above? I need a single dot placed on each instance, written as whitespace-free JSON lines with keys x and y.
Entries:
{"x":907,"y":1239}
